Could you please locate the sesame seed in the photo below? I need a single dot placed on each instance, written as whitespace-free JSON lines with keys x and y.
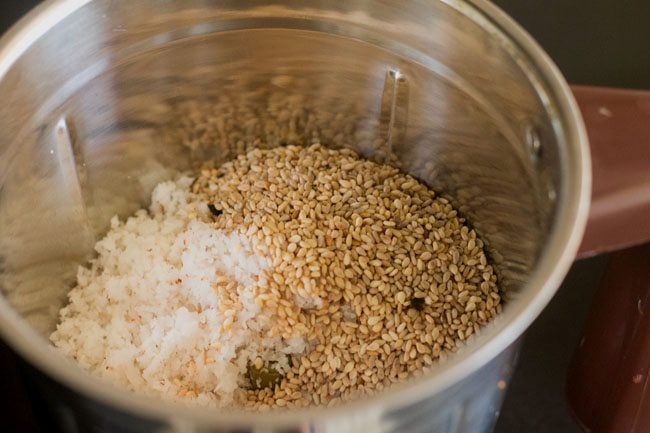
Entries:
{"x":401,"y":279}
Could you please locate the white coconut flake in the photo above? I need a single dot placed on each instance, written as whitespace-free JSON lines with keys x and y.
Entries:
{"x":145,"y":312}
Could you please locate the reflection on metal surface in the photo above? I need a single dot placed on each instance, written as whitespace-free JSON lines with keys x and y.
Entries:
{"x":534,"y":142}
{"x":155,"y":88}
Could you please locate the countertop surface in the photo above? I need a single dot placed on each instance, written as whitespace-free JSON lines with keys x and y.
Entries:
{"x":595,"y":42}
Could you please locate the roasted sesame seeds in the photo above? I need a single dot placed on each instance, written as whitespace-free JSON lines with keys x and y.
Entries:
{"x":380,"y":275}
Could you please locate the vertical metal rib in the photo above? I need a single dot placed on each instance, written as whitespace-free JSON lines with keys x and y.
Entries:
{"x":72,"y":172}
{"x":394,"y":108}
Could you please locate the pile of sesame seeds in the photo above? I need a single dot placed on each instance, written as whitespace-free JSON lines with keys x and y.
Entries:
{"x":378,"y":274}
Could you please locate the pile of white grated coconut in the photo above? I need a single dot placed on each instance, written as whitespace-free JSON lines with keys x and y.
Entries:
{"x":145,"y":313}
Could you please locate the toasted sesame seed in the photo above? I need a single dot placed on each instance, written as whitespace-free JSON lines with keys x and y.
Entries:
{"x":401,"y":279}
